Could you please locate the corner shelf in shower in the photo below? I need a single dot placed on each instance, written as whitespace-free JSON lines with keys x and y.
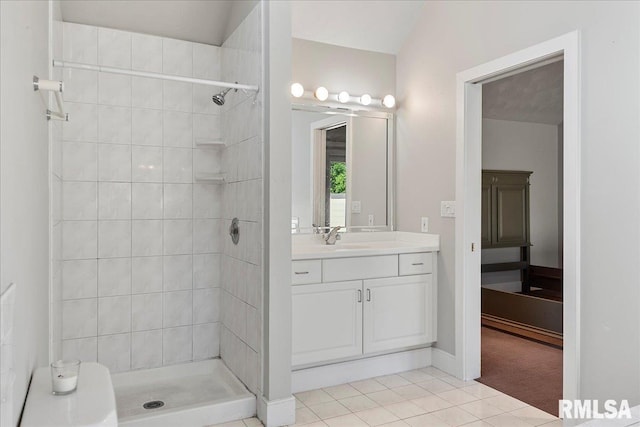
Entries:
{"x":214,"y":178}
{"x":210,"y":143}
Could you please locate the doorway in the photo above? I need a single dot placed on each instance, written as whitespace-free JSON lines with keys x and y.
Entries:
{"x":468,"y":199}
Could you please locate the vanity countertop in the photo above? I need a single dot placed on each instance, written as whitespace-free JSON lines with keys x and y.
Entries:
{"x":363,"y":244}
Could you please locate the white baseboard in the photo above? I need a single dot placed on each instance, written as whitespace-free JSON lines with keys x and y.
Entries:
{"x":444,"y":361}
{"x":355,"y":370}
{"x":276,"y":413}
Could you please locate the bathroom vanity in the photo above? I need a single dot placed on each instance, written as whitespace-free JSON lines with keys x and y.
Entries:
{"x":368,"y":295}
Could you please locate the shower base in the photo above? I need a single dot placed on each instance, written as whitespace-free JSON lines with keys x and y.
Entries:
{"x":191,"y":394}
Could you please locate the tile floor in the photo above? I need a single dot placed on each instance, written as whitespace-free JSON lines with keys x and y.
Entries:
{"x":423,"y":397}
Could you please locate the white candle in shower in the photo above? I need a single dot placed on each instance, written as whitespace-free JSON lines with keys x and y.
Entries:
{"x":64,"y":376}
{"x":65,"y":383}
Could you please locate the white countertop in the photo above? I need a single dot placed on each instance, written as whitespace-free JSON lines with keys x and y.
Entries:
{"x":309,"y":246}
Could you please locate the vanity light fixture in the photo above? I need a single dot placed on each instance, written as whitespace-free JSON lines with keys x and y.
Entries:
{"x":321,"y":93}
{"x":297,"y":90}
{"x":365,"y":99}
{"x":389,"y":101}
{"x":343,"y":96}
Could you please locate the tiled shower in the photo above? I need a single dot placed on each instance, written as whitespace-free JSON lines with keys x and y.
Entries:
{"x":146,"y":177}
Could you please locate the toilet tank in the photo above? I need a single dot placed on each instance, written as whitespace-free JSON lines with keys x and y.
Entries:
{"x":93,"y":404}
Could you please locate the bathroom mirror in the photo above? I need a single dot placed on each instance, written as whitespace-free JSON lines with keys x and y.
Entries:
{"x":342,"y":169}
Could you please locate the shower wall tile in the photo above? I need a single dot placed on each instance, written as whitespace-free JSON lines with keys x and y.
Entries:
{"x":146,"y":53}
{"x":114,"y":48}
{"x":114,"y":351}
{"x":114,"y":277}
{"x":140,"y":240}
{"x":146,"y":127}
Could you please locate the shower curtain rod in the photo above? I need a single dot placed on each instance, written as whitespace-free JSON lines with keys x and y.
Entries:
{"x":57,"y":63}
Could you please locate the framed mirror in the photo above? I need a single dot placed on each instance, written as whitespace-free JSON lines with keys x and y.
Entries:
{"x":342,"y":169}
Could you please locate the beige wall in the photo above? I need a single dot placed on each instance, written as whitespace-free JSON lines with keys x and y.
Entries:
{"x":24,"y":186}
{"x":454,"y":36}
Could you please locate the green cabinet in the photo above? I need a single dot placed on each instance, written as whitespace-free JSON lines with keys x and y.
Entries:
{"x":505,"y":209}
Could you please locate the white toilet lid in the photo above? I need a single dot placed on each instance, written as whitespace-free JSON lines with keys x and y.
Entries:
{"x":93,"y":404}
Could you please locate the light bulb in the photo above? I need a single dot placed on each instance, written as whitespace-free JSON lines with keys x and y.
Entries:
{"x":365,"y":99}
{"x":297,"y":90}
{"x":389,"y":101}
{"x":343,"y":96}
{"x":321,"y":93}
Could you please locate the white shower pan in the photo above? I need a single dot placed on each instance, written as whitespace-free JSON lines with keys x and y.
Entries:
{"x":192,"y":395}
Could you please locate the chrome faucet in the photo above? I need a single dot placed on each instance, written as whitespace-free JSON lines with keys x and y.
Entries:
{"x":332,"y":236}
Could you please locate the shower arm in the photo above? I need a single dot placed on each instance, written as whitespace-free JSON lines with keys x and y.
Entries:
{"x":113,"y":70}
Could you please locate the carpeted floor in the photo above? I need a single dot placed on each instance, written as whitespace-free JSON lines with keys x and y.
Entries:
{"x":524,"y":369}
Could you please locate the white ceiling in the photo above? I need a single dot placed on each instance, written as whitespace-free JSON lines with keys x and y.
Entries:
{"x":531,"y":96}
{"x":202,"y":21}
{"x":379,"y":26}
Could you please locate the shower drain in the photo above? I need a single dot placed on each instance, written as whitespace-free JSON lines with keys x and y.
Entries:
{"x":154,"y":404}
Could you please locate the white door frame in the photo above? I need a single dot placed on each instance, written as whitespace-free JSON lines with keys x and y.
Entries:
{"x":468,"y":199}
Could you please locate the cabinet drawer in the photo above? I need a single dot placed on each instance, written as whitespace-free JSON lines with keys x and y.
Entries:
{"x":304,"y":272}
{"x":339,"y":269}
{"x":418,"y":263}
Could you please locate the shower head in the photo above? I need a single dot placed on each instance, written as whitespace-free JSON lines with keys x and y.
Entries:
{"x":218,"y":99}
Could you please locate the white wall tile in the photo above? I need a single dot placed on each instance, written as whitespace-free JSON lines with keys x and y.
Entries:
{"x":79,"y":200}
{"x":177,"y":96}
{"x":146,"y":93}
{"x":206,"y":305}
{"x":79,"y":318}
{"x":114,"y":239}
{"x":146,"y":53}
{"x":83,"y":349}
{"x":114,"y":315}
{"x":146,"y":164}
{"x":252,"y":370}
{"x":146,"y":200}
{"x":206,"y":341}
{"x":114,"y":89}
{"x":114,"y":162}
{"x":79,"y":279}
{"x":80,"y":86}
{"x":178,"y":165}
{"x":114,"y":200}
{"x":79,"y":239}
{"x":80,"y":43}
{"x":253,"y":329}
{"x":177,"y":345}
{"x":114,"y":48}
{"x":206,"y":270}
{"x":146,"y":275}
{"x":177,"y":272}
{"x":206,"y":161}
{"x":114,"y":351}
{"x":178,"y":237}
{"x":178,"y":201}
{"x":114,"y":277}
{"x":114,"y":124}
{"x":177,"y":130}
{"x":79,"y":161}
{"x":206,"y":126}
{"x":207,"y":236}
{"x":146,"y":349}
{"x":146,"y":312}
{"x":207,"y":200}
{"x":177,"y":57}
{"x":206,"y":61}
{"x":82,"y":124}
{"x":178,"y":309}
{"x":146,"y":237}
{"x":146,"y":127}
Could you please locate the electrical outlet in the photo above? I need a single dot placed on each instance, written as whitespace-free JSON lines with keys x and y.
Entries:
{"x":424,"y":224}
{"x":448,"y":209}
{"x":371,"y":219}
{"x":356,"y":207}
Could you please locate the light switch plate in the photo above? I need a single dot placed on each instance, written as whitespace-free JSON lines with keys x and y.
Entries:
{"x":424,"y":224}
{"x":448,"y":209}
{"x":371,"y":219}
{"x":356,"y":206}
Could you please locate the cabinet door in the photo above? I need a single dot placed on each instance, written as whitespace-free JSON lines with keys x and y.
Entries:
{"x":398,"y":312}
{"x":511,"y":214}
{"x":485,"y":236}
{"x":327,"y":322}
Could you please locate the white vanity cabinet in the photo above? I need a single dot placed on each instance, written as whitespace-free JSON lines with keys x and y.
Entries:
{"x":362,"y":306}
